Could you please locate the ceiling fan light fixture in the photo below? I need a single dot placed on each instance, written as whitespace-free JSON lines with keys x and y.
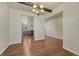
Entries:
{"x":38,"y":9}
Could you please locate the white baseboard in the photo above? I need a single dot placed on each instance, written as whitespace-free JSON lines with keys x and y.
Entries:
{"x":7,"y":45}
{"x":55,"y":36}
{"x":58,"y":37}
{"x":71,"y":51}
{"x":4,"y":48}
{"x":15,"y":42}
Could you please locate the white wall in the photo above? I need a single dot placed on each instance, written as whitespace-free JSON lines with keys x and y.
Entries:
{"x":60,"y":27}
{"x":54,"y":27}
{"x":15,"y":25}
{"x":39,"y":28}
{"x":71,"y":27}
{"x":4,"y":26}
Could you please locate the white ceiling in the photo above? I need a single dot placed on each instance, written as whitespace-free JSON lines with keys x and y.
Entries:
{"x":50,"y":5}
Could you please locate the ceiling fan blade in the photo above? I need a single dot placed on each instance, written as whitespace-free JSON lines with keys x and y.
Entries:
{"x":27,"y":3}
{"x":48,"y":10}
{"x":31,"y":4}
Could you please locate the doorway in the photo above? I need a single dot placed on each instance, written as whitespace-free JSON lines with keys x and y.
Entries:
{"x":27,"y":26}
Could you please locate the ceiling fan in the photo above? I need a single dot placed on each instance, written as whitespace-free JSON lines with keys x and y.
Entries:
{"x":38,"y":6}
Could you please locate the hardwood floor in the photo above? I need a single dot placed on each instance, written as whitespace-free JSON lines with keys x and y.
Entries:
{"x":29,"y":47}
